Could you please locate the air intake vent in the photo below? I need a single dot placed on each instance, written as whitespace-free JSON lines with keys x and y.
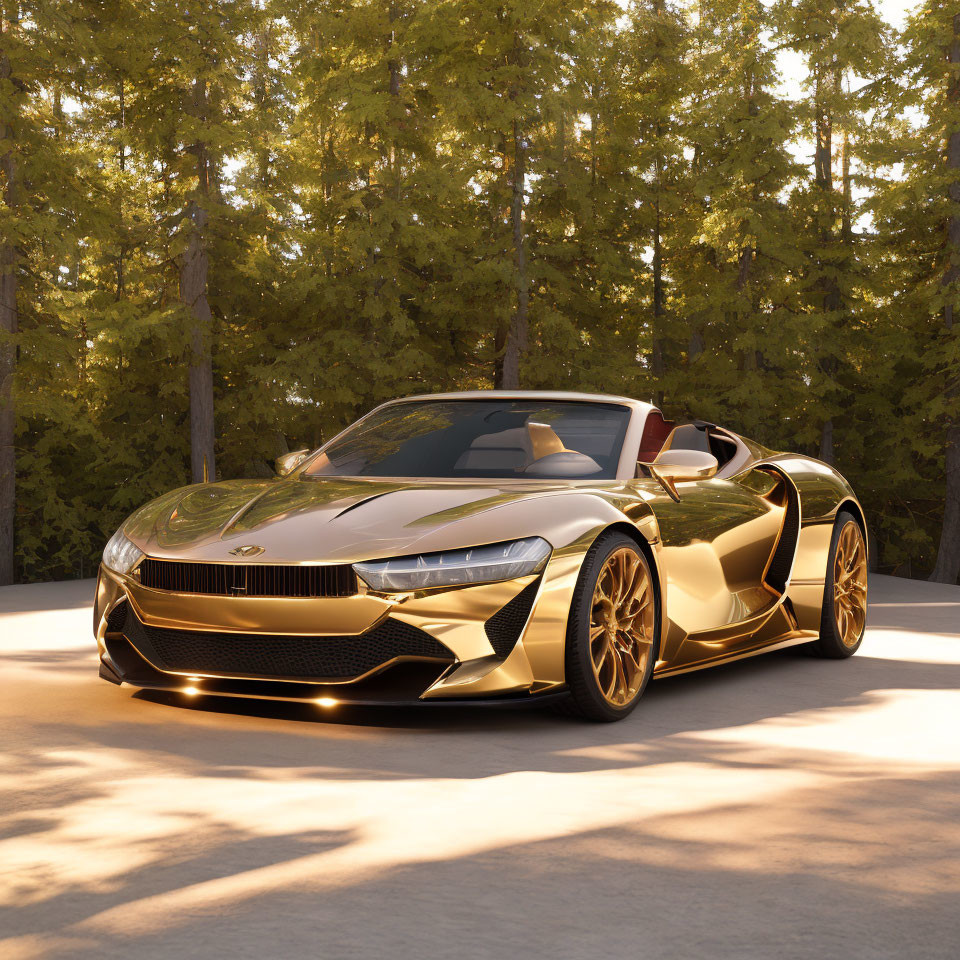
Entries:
{"x":279,"y":657}
{"x":782,"y":559}
{"x":503,"y":628}
{"x":249,"y":579}
{"x":116,"y":618}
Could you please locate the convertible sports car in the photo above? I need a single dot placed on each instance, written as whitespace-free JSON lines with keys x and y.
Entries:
{"x":486,"y":546}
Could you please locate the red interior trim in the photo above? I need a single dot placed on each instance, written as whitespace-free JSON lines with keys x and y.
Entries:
{"x":655,"y":432}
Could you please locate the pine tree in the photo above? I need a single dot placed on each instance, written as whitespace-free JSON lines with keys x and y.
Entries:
{"x":920,"y":214}
{"x":11,"y":96}
{"x":503,"y":64}
{"x":739,"y":257}
{"x":188,"y":125}
{"x":661,"y":72}
{"x":41,"y":200}
{"x":841,"y":45}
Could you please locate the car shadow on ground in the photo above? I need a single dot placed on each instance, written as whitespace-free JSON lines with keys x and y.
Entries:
{"x":777,"y":685}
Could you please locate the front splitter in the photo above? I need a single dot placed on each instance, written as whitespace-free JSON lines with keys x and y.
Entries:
{"x":325,"y":696}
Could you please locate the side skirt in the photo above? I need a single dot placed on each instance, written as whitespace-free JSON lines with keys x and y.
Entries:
{"x":766,"y":647}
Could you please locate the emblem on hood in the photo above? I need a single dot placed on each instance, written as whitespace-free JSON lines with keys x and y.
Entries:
{"x":248,"y":550}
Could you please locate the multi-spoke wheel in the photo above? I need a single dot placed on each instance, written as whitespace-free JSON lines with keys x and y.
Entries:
{"x":613,"y":629}
{"x":844,"y":614}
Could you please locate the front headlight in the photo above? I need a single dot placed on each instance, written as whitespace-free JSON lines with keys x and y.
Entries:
{"x":121,"y":554}
{"x":499,"y":561}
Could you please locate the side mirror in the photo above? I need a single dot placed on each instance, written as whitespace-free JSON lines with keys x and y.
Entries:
{"x":675,"y":466}
{"x":289,"y":462}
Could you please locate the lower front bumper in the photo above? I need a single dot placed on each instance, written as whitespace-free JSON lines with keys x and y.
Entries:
{"x":400,"y":685}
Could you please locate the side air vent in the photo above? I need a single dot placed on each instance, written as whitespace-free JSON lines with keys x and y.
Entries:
{"x":249,"y":580}
{"x":782,"y":560}
{"x":504,"y":627}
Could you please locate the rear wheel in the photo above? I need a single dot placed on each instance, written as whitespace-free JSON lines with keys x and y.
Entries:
{"x":613,"y":629}
{"x":844,"y":614}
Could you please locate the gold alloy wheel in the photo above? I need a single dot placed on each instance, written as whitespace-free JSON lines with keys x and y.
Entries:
{"x":850,"y":584}
{"x":621,"y":626}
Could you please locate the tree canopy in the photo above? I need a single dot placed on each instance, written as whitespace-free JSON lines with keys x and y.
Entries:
{"x":229,"y":227}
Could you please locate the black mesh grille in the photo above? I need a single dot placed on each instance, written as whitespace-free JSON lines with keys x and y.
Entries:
{"x":249,"y":580}
{"x":782,"y":560}
{"x":273,"y":657}
{"x":503,"y":628}
{"x":117,"y":617}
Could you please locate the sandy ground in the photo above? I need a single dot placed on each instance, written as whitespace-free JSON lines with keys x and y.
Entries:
{"x":781,"y":807}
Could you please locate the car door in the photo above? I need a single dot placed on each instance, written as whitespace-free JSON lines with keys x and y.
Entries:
{"x":719,"y":541}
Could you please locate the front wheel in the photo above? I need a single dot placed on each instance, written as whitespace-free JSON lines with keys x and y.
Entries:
{"x":844,"y":614}
{"x":613,"y":629}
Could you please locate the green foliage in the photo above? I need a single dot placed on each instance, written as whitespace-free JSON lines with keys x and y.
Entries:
{"x":685,"y":239}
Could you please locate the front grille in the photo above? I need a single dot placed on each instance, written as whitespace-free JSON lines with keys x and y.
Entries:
{"x":249,"y":579}
{"x":313,"y":659}
{"x":503,"y":628}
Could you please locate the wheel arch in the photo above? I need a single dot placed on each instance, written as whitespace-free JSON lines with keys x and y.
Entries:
{"x":851,"y":505}
{"x":632,"y":532}
{"x":650,"y":553}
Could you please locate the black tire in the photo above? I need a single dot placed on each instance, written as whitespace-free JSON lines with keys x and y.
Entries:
{"x":586,"y":699}
{"x":830,"y":644}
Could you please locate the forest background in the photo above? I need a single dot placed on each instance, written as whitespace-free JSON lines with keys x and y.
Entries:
{"x":229,"y":227}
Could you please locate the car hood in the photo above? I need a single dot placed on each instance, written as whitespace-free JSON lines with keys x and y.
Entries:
{"x":341,"y":520}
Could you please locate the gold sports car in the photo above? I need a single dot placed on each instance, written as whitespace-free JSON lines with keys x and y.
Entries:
{"x":486,"y":547}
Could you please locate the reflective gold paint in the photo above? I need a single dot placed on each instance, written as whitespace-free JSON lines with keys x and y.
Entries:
{"x":679,"y":466}
{"x":295,"y":616}
{"x":709,"y":555}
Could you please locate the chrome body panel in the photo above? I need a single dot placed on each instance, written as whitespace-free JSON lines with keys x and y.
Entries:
{"x":711,"y":553}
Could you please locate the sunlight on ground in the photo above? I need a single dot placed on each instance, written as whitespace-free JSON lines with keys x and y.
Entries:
{"x":135,"y":818}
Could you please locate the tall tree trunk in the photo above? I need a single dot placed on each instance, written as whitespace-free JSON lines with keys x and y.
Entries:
{"x":952,"y":274}
{"x":261,"y":74}
{"x":745,"y":260}
{"x":833,"y":296}
{"x":947,"y":567}
{"x":823,"y":148}
{"x":695,"y":349}
{"x":122,"y":163}
{"x":499,"y":213}
{"x":396,"y":120}
{"x":517,"y":335}
{"x":658,"y":358}
{"x":657,"y":361}
{"x":846,"y":211}
{"x":823,"y":181}
{"x":193,"y":294}
{"x":826,"y":441}
{"x":8,"y":326}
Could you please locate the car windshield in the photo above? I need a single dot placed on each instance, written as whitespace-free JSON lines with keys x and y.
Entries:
{"x":479,"y":438}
